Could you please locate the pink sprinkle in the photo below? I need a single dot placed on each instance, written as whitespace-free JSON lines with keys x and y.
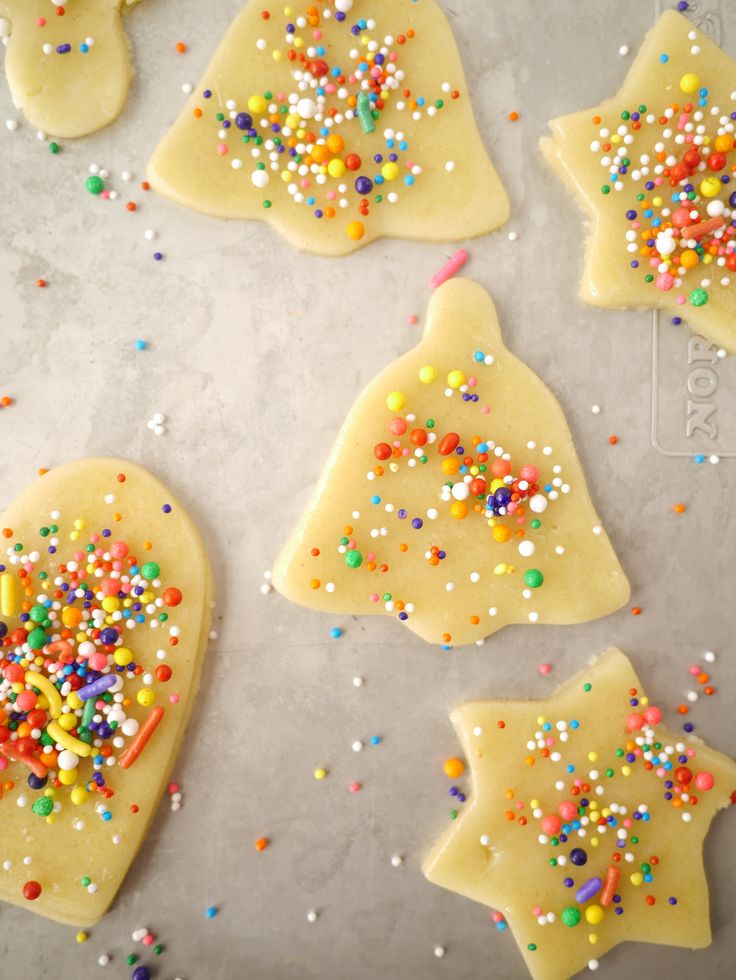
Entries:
{"x":537,"y":910}
{"x":148,"y":939}
{"x":373,"y":597}
{"x":472,"y":382}
{"x":694,"y":670}
{"x":485,"y":409}
{"x":371,"y":556}
{"x":496,"y":916}
{"x":105,"y":195}
{"x":173,"y":788}
{"x":355,"y":787}
{"x":175,"y":699}
{"x":41,"y":21}
{"x":544,"y":668}
{"x":222,"y":149}
{"x":3,"y":763}
{"x":412,"y":319}
{"x":318,"y":35}
{"x":705,"y":780}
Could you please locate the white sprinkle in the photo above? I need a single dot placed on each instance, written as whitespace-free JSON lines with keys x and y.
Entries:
{"x":11,"y":124}
{"x":357,"y":746}
{"x":623,"y":50}
{"x":396,"y":860}
{"x":593,"y":964}
{"x":127,"y":176}
{"x":358,"y":682}
{"x":439,"y":952}
{"x":103,"y":959}
{"x":513,"y":236}
{"x":187,"y":88}
{"x":149,"y":234}
{"x":687,"y":816}
{"x":311,"y":916}
{"x":709,"y":656}
{"x":596,"y":409}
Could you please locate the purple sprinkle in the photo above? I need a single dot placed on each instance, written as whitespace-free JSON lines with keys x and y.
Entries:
{"x":63,"y":49}
{"x":157,"y":256}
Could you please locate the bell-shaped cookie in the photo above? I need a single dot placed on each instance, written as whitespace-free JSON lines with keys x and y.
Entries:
{"x":453,"y":498}
{"x":338,"y":123}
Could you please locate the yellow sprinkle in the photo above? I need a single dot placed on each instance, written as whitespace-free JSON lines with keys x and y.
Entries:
{"x":48,"y":690}
{"x":593,"y":756}
{"x":395,"y":401}
{"x":594,"y":914}
{"x":11,"y":599}
{"x":68,"y":741}
{"x":595,"y":841}
{"x":625,"y":771}
{"x":455,"y":378}
{"x":427,"y":374}
{"x":82,"y":937}
{"x":320,"y":773}
{"x":636,"y":879}
{"x":500,"y":569}
{"x":593,"y":938}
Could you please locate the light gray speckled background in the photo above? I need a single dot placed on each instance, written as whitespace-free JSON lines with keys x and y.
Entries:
{"x":256,"y":354}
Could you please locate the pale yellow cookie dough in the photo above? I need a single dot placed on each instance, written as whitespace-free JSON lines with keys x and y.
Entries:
{"x":674,"y":63}
{"x":357,"y":549}
{"x":73,"y":93}
{"x":76,"y":841}
{"x":456,"y":192}
{"x":506,"y":850}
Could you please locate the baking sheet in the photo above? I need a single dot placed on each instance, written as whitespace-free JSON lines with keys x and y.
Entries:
{"x":256,"y":352}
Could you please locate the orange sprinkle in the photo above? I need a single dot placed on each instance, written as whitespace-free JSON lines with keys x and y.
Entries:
{"x":513,"y":116}
{"x":613,"y":440}
{"x":679,"y":508}
{"x":197,"y":113}
{"x":7,"y":532}
{"x":596,"y":120}
{"x":5,"y":401}
{"x":683,"y":709}
{"x":510,"y":815}
{"x":262,"y":843}
{"x":181,"y":47}
{"x":636,"y":611}
{"x":40,"y":283}
{"x":314,"y":583}
{"x":131,"y":206}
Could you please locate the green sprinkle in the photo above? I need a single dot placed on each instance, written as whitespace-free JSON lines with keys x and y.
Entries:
{"x":532,"y":947}
{"x":86,"y":880}
{"x":587,"y":687}
{"x":453,"y":814}
{"x":536,"y":523}
{"x":43,"y":806}
{"x":267,"y":204}
{"x":353,"y":559}
{"x":95,"y":185}
{"x":698,"y":297}
{"x":533,"y":578}
{"x":605,"y":189}
{"x":54,"y":148}
{"x":571,"y":916}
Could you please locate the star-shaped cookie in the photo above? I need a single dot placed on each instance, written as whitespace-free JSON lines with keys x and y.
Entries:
{"x":68,"y":72}
{"x":586,"y":822}
{"x":338,"y":122}
{"x":653,"y":167}
{"x":454,"y":499}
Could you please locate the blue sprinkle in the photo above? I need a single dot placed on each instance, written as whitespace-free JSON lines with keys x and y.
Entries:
{"x":375,"y":740}
{"x":211,"y":912}
{"x":141,"y":344}
{"x":335,"y":632}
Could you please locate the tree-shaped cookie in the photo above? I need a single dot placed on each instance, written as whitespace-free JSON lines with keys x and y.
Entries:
{"x":586,"y":822}
{"x":105,"y":605}
{"x":453,"y":499}
{"x":340,"y":122}
{"x":68,"y":65}
{"x":653,"y":168}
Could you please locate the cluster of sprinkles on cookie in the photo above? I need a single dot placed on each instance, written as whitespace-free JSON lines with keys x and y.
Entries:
{"x":305,"y":137}
{"x":77,"y":706}
{"x":680,"y":197}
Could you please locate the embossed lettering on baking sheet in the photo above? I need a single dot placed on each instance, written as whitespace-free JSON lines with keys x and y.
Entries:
{"x":702,"y":385}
